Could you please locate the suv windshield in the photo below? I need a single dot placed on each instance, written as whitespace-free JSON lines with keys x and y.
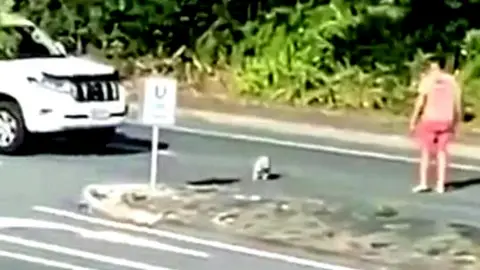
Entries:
{"x":26,"y":42}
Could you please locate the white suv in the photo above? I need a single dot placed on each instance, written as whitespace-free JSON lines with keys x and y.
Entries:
{"x":44,"y":90}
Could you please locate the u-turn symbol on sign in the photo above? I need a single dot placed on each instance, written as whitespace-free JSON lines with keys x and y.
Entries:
{"x":160,"y":92}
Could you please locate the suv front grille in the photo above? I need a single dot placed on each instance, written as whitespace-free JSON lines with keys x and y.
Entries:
{"x":96,"y":88}
{"x":96,"y":91}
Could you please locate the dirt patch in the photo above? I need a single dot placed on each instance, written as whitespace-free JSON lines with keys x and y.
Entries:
{"x":380,"y":235}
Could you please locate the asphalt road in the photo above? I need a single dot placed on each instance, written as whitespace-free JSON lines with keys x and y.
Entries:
{"x":36,"y":186}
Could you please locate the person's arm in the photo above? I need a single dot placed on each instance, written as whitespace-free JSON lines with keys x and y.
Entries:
{"x":417,"y":109}
{"x":458,"y":113}
{"x":419,"y":103}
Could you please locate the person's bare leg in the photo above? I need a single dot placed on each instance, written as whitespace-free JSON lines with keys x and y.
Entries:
{"x":423,"y":170}
{"x":432,"y":171}
{"x":425,"y":164}
{"x":442,"y":164}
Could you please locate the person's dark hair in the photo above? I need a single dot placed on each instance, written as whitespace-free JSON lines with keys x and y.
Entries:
{"x":440,"y":60}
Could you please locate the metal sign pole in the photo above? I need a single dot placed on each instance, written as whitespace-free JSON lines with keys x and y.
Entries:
{"x":154,"y":157}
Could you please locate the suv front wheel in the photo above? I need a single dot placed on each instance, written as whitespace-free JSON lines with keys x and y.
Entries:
{"x":12,"y":128}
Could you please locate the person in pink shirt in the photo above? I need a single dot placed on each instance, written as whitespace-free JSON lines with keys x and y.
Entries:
{"x":435,"y":118}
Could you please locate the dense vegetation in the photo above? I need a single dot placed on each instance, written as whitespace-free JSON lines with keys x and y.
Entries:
{"x":336,"y":54}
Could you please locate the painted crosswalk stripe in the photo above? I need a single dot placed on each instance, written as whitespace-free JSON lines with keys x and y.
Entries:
{"x":192,"y":240}
{"x":78,"y":253}
{"x":41,"y":261}
{"x":110,"y":236}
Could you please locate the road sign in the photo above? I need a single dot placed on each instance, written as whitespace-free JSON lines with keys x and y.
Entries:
{"x":159,"y":106}
{"x":159,"y":101}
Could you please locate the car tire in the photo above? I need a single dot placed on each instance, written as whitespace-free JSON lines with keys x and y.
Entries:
{"x":13,"y":133}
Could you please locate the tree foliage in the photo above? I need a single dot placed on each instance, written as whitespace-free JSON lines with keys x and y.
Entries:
{"x":337,"y":53}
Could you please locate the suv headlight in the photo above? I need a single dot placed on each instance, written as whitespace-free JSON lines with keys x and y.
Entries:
{"x":119,"y":91}
{"x":62,"y":86}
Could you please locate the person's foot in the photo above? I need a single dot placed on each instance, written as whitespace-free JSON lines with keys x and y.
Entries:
{"x":440,"y":189}
{"x":420,"y":188}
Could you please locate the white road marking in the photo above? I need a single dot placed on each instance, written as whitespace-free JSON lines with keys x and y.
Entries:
{"x":78,"y":253}
{"x":41,"y":261}
{"x":190,"y":239}
{"x":309,"y":146}
{"x":108,"y":236}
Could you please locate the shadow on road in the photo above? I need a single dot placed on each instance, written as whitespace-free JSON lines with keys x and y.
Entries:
{"x":121,"y":145}
{"x":213,"y":181}
{"x":274,"y":176}
{"x":211,"y":184}
{"x":456,"y":185}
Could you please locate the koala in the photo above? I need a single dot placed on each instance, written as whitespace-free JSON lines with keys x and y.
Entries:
{"x":261,"y":168}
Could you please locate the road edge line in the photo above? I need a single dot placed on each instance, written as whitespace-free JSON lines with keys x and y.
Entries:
{"x":390,"y":140}
{"x":306,"y":146}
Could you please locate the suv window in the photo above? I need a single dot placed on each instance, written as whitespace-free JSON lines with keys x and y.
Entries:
{"x":21,"y":42}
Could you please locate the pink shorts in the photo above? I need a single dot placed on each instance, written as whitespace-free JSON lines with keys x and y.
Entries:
{"x":434,"y":135}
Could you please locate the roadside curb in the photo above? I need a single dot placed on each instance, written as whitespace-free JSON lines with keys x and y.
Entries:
{"x":327,"y":132}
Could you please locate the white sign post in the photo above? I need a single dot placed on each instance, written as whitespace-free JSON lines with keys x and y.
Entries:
{"x":159,"y":106}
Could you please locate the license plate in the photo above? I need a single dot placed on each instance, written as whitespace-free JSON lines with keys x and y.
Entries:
{"x":98,"y":114}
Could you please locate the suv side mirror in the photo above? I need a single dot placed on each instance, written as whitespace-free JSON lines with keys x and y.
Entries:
{"x":60,"y":47}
